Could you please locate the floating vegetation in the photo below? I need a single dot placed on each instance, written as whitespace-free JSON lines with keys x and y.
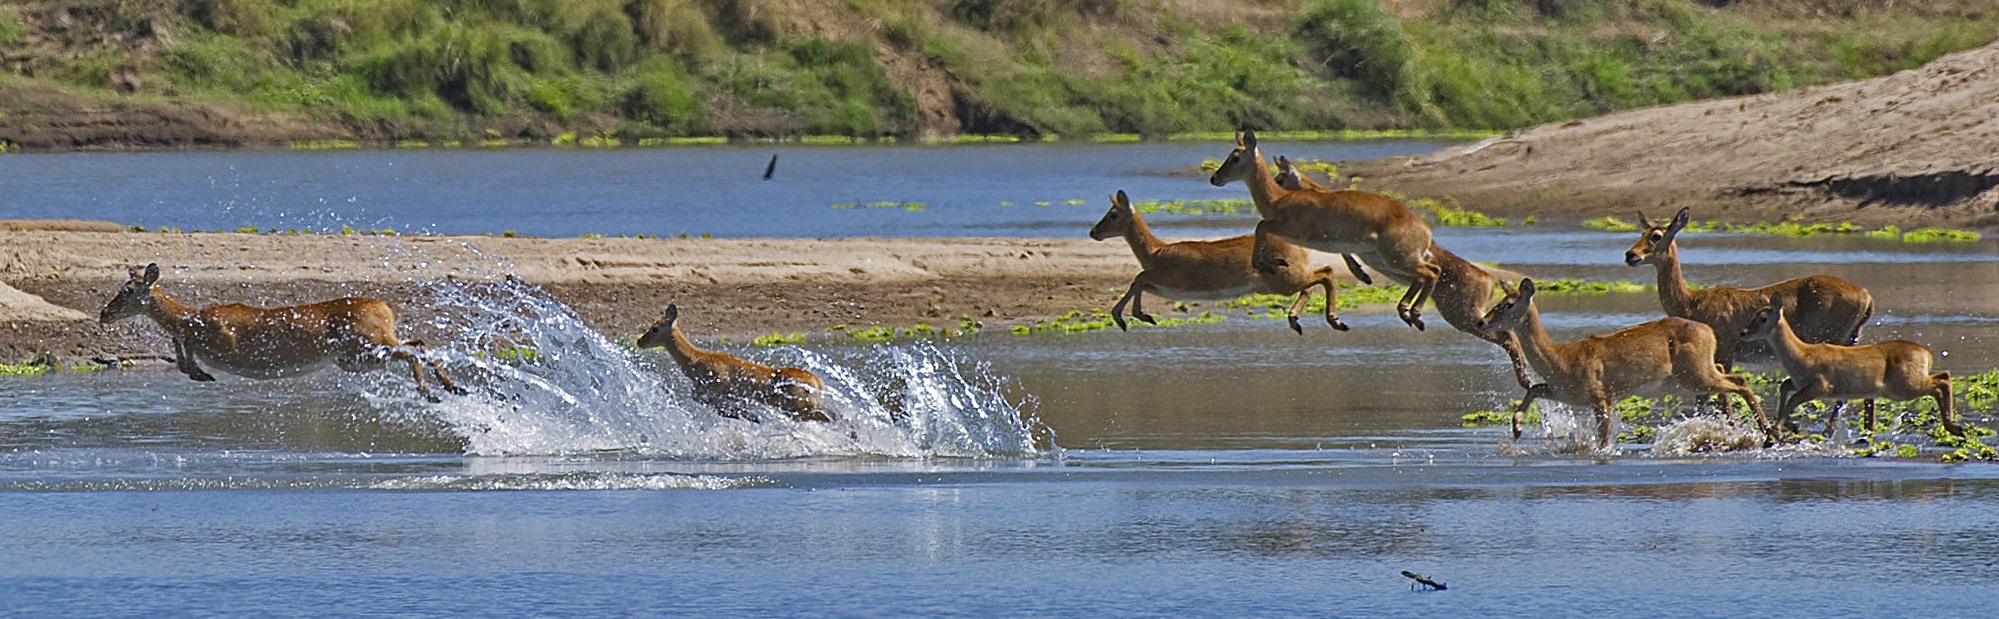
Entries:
{"x":1098,"y":320}
{"x":1190,"y":207}
{"x":1578,"y":286}
{"x":714,"y":140}
{"x":412,"y":144}
{"x":779,"y":339}
{"x":882,"y":333}
{"x":1454,"y":215}
{"x":1074,"y":202}
{"x":1798,"y":229}
{"x":324,"y":144}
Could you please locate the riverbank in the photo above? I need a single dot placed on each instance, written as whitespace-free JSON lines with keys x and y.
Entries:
{"x":736,"y":288}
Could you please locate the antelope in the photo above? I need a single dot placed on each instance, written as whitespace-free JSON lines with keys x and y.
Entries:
{"x":1599,"y":370}
{"x":1896,"y":369}
{"x":1462,"y":287}
{"x":255,"y":342}
{"x":1828,"y":309}
{"x":1206,"y":270}
{"x":1382,"y":230}
{"x":723,"y":380}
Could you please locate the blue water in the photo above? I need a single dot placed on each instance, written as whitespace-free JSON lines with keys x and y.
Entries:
{"x":714,"y":190}
{"x":1228,"y":469}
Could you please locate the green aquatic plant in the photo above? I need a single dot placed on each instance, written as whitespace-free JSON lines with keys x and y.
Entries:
{"x":1229,"y":206}
{"x":1454,"y":215}
{"x":1587,"y":287}
{"x":1610,"y":224}
{"x":779,"y":339}
{"x":1932,"y":235}
{"x":247,"y":230}
{"x":25,"y":369}
{"x":1098,"y":320}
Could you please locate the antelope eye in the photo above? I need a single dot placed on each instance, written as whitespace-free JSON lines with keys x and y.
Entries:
{"x":1656,"y":235}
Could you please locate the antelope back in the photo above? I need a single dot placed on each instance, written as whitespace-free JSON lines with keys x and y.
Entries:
{"x":1117,"y":221}
{"x":1240,"y":163}
{"x":134,"y":296}
{"x":1654,"y":240}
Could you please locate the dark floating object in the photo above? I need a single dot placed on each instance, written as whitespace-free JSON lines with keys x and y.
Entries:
{"x":772,"y":168}
{"x":1423,"y":581}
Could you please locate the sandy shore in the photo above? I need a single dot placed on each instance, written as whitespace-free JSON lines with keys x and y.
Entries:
{"x":734,"y":287}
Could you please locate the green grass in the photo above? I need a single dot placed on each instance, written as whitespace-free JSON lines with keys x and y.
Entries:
{"x":653,"y":72}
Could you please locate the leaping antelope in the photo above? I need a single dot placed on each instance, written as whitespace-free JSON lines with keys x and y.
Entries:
{"x":1381,"y":230}
{"x":1896,"y":369}
{"x":354,"y":333}
{"x":1462,"y":287}
{"x":1207,"y":270}
{"x":725,"y":381}
{"x":1599,"y":370}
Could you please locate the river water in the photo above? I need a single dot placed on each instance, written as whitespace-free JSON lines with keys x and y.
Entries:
{"x":1229,"y":469}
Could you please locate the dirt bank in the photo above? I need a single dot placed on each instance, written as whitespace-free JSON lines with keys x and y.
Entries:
{"x":735,"y":287}
{"x":1915,"y":148}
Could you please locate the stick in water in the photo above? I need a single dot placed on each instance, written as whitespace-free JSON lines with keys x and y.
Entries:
{"x":1424,"y":581}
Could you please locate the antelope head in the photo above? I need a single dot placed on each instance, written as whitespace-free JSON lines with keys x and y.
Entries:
{"x":1240,"y":163}
{"x":1287,"y":174}
{"x":1117,"y":220}
{"x":1656,"y":242}
{"x":1767,"y":320}
{"x":1508,"y":313}
{"x":132,"y":299}
{"x":661,"y":332}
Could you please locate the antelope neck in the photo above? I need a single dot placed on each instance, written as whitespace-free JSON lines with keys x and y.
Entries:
{"x":1140,"y":237}
{"x":1673,"y":293}
{"x":1263,"y":188}
{"x":179,"y":320}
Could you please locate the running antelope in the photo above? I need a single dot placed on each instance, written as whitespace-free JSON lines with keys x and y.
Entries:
{"x":354,"y":333}
{"x":1599,"y":370}
{"x":1826,"y":309}
{"x":724,"y":381}
{"x":1894,"y":369}
{"x":1462,"y":287}
{"x":1382,"y":231}
{"x":1207,"y":270}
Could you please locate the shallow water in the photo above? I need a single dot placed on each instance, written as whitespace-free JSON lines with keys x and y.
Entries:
{"x":1230,"y":468}
{"x":694,"y":190}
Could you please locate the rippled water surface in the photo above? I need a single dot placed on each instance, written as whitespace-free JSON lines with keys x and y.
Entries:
{"x":1221,"y":469}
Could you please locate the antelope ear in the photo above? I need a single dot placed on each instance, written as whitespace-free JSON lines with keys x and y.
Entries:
{"x":1238,"y":138}
{"x":1249,"y":138}
{"x":1282,"y":162}
{"x":1647,"y":222}
{"x":1121,"y":200}
{"x":1509,"y":289}
{"x":152,"y":274}
{"x":1680,"y":220}
{"x":672,"y":312}
{"x":1527,"y":287}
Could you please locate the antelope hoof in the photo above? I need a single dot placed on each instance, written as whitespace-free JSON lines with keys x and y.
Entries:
{"x":1121,"y":326}
{"x":1363,"y":277}
{"x":1145,"y":317}
{"x":200,"y":376}
{"x":457,"y":390}
{"x":1414,"y":319}
{"x":1955,"y":429}
{"x":1300,"y":329}
{"x":1516,"y":433}
{"x":1338,"y":326}
{"x":432,"y":398}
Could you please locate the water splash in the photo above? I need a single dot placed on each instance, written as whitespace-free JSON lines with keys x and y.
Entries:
{"x":580,"y":392}
{"x":1706,"y":434}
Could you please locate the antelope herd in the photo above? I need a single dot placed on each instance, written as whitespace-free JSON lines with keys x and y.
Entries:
{"x":1812,"y":323}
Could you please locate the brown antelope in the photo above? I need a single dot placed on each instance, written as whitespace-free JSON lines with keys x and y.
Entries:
{"x":353,"y":333}
{"x":1826,"y":309}
{"x":724,"y":381}
{"x":1599,"y":370}
{"x":1206,"y":270}
{"x":1462,"y":287}
{"x":1894,"y":369}
{"x":1383,"y":231}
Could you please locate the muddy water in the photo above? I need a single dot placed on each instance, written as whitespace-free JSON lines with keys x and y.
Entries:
{"x":1230,"y":468}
